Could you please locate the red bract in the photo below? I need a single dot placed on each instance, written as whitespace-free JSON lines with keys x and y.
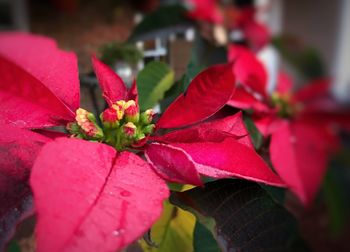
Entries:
{"x":18,"y":150}
{"x":89,"y":195}
{"x":216,"y":84}
{"x":206,"y":94}
{"x":243,"y":19}
{"x":256,"y":34}
{"x":205,"y":10}
{"x":301,"y":125}
{"x":39,"y":85}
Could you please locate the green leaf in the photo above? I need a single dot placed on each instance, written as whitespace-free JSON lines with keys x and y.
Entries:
{"x":255,"y":135}
{"x":192,"y":70}
{"x":13,"y":247}
{"x":152,"y":82}
{"x":246,"y":218}
{"x":203,"y":240}
{"x":336,"y":191}
{"x":173,"y":232}
{"x":165,"y":20}
{"x":277,"y":193}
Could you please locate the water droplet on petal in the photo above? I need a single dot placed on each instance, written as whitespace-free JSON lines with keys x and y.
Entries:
{"x":118,"y":232}
{"x":20,"y":123}
{"x":293,"y":139}
{"x":125,"y":193}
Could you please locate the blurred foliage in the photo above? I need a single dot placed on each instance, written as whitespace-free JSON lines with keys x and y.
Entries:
{"x":203,"y":240}
{"x":173,"y":232}
{"x":160,"y":22}
{"x":336,"y":190}
{"x":306,"y":60}
{"x":13,"y":247}
{"x":115,"y":51}
{"x":152,"y":83}
{"x":205,"y":54}
{"x":255,"y":135}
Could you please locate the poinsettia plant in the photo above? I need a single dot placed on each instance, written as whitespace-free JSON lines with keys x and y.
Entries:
{"x":302,"y":126}
{"x":101,"y":186}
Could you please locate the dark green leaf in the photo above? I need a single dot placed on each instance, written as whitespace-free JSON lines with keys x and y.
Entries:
{"x":205,"y":54}
{"x":255,"y":135}
{"x":246,"y":217}
{"x":152,"y":82}
{"x":336,"y":189}
{"x":306,"y":60}
{"x":160,"y":23}
{"x":14,"y":247}
{"x":203,"y":240}
{"x":276,"y":193}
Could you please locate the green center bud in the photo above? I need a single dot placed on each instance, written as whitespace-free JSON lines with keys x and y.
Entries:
{"x":129,"y":129}
{"x":131,"y":111}
{"x":85,"y":126}
{"x":283,"y":104}
{"x":122,"y":125}
{"x":148,"y":129}
{"x":111,"y":117}
{"x":147,"y":116}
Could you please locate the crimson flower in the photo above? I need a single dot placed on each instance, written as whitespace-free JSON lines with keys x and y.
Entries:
{"x":205,"y":10}
{"x":243,"y":19}
{"x":302,"y":125}
{"x":255,"y":33}
{"x":93,"y":190}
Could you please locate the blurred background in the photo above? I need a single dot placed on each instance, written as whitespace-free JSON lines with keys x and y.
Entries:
{"x":84,"y":26}
{"x":310,"y":38}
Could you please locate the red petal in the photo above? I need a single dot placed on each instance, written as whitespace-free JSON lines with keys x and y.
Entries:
{"x":89,"y":199}
{"x":268,"y":123}
{"x":172,"y":164}
{"x":244,"y":100}
{"x":299,"y":153}
{"x":214,"y":131}
{"x":133,"y":93}
{"x":248,"y":70}
{"x":18,"y":150}
{"x":112,"y":85}
{"x":257,"y":34}
{"x":315,"y":89}
{"x":284,"y":83}
{"x":39,"y":83}
{"x":207,"y":93}
{"x":205,"y":10}
{"x":230,"y":159}
{"x":320,"y":107}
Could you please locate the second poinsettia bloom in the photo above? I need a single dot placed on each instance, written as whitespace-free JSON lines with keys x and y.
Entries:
{"x":302,"y":125}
